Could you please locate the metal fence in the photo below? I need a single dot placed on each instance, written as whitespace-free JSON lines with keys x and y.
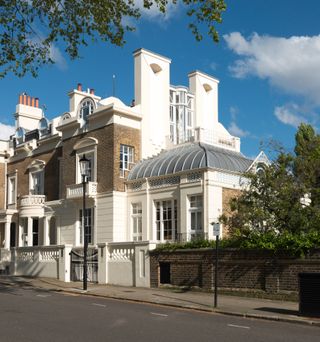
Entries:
{"x":77,"y":265}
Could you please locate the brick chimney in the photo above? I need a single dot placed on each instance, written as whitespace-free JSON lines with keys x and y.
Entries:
{"x":27,"y":100}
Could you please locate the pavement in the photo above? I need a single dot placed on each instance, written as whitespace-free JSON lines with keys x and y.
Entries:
{"x":275,"y":310}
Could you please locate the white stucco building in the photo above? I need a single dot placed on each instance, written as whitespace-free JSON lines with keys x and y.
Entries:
{"x":161,"y":169}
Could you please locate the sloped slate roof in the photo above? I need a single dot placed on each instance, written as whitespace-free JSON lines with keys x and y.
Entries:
{"x":190,"y":157}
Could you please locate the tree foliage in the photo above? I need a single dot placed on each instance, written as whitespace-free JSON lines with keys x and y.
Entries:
{"x":284,"y":199}
{"x":29,"y":28}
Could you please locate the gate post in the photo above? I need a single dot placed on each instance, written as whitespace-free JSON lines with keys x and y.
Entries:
{"x":102,"y":263}
{"x":13,"y":262}
{"x":64,"y":263}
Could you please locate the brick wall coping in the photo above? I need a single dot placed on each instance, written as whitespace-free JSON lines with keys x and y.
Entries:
{"x":313,"y":254}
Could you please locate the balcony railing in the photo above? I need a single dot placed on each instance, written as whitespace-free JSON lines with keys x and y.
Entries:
{"x":32,"y":200}
{"x":76,"y":190}
{"x":206,"y":136}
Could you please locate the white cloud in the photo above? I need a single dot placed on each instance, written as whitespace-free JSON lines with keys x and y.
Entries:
{"x":291,"y":64}
{"x":6,"y":131}
{"x":57,"y":57}
{"x":233,"y":111}
{"x":290,"y":115}
{"x":213,"y":66}
{"x":233,"y":128}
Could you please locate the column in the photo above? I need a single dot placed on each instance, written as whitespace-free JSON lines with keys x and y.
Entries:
{"x":7,"y":235}
{"x":30,"y":221}
{"x":21,"y":233}
{"x":46,"y":230}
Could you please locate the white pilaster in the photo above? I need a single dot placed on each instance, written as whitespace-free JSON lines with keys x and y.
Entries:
{"x":7,"y":235}
{"x":20,"y":233}
{"x":46,"y":237}
{"x":30,"y":221}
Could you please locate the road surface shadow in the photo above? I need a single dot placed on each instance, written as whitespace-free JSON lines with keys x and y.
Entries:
{"x":11,"y":285}
{"x":279,"y":311}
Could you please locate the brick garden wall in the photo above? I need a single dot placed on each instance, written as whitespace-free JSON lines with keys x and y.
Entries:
{"x":246,"y":269}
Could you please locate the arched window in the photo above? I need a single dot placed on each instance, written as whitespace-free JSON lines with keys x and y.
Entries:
{"x":43,"y":127}
{"x":86,"y":108}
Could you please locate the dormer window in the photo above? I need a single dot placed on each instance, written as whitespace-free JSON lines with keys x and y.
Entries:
{"x":43,"y":127}
{"x":20,"y":135}
{"x":86,"y":108}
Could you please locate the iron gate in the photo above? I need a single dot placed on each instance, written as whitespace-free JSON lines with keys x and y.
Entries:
{"x":77,"y":265}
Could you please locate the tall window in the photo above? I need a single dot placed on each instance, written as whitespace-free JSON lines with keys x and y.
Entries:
{"x":196,"y":228}
{"x":91,"y":166}
{"x":86,"y":108}
{"x":89,"y":224}
{"x":126,"y":158}
{"x":36,"y":183}
{"x":12,"y":190}
{"x":35,"y":231}
{"x":136,"y":217}
{"x":181,"y":116}
{"x":166,"y":220}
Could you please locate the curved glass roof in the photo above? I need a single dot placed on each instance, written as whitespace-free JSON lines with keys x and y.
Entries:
{"x":190,"y":157}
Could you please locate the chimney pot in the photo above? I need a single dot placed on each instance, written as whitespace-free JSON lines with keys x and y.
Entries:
{"x":79,"y":87}
{"x":28,"y":100}
{"x":37,"y":102}
{"x":24,"y":100}
{"x":32,"y":102}
{"x":92,"y":91}
{"x":20,"y":99}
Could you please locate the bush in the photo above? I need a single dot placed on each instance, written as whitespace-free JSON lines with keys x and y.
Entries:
{"x":293,"y":244}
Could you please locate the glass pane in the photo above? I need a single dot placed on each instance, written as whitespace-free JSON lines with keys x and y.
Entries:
{"x":193,"y":221}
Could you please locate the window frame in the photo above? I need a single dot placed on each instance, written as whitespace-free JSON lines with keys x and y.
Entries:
{"x":181,"y":116}
{"x":195,"y":208}
{"x":124,"y":165}
{"x":87,"y":102}
{"x":91,"y":154}
{"x":32,"y":174}
{"x":136,"y":221}
{"x":12,"y":195}
{"x":166,"y":220}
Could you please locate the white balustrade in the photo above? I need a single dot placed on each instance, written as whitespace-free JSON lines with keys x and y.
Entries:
{"x":49,"y":254}
{"x":76,"y":190}
{"x":121,"y":252}
{"x":25,"y":255}
{"x":32,"y":200}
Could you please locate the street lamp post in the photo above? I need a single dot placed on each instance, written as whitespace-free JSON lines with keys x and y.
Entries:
{"x":216,"y":233}
{"x":84,"y":169}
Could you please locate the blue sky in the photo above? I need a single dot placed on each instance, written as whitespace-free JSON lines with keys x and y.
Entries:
{"x":267,"y":61}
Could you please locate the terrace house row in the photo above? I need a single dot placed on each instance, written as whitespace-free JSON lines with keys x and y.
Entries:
{"x":161,"y":169}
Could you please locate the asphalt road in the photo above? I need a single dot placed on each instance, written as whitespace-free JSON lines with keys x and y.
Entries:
{"x":29,"y":315}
